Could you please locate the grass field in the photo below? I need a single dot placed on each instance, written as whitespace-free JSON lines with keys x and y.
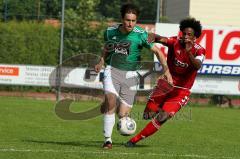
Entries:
{"x":30,"y":129}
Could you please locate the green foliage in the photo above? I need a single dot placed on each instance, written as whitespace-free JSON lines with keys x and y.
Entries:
{"x":20,"y":9}
{"x":28,"y":43}
{"x":45,"y":9}
{"x":148,"y":10}
{"x":50,"y":8}
{"x":30,"y":9}
{"x":81,"y":34}
{"x":111,"y":9}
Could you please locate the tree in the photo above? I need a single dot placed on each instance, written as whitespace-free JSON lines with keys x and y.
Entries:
{"x":33,"y":9}
{"x":111,"y":9}
{"x":28,"y":43}
{"x":81,"y":34}
{"x":50,"y":9}
{"x":18,"y":9}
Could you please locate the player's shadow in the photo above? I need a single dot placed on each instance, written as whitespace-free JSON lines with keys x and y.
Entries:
{"x":79,"y":143}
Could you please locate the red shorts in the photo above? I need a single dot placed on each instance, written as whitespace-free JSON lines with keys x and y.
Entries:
{"x":171,"y":102}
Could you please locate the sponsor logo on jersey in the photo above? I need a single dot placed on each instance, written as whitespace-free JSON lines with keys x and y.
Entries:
{"x":121,"y":47}
{"x":228,"y":70}
{"x":180,"y":63}
{"x":138,"y":30}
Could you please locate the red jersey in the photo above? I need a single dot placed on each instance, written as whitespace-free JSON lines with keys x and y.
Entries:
{"x":182,"y":70}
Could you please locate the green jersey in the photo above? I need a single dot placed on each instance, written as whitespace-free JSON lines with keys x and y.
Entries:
{"x":123,"y":50}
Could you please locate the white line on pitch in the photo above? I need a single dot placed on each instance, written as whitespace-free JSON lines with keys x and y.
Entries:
{"x":115,"y":153}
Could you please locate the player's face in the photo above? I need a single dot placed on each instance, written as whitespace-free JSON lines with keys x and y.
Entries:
{"x":129,"y":21}
{"x":188,"y":35}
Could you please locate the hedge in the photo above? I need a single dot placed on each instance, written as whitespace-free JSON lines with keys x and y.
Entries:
{"x":28,"y":43}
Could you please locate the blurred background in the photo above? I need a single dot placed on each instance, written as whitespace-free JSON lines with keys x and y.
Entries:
{"x":31,"y":43}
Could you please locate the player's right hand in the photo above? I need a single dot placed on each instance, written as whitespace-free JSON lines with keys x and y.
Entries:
{"x":98,"y":67}
{"x":188,"y":44}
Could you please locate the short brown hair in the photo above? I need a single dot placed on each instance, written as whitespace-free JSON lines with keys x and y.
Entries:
{"x":129,"y":8}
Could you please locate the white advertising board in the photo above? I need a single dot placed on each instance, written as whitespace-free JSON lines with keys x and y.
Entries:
{"x":40,"y":76}
{"x":46,"y":76}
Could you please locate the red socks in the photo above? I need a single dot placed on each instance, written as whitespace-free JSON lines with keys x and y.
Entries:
{"x":150,"y":129}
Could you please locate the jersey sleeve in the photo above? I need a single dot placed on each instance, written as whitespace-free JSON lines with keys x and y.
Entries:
{"x":200,"y":54}
{"x":105,"y":35}
{"x":171,"y":41}
{"x":145,"y":41}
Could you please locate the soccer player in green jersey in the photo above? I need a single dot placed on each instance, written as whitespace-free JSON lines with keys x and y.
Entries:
{"x":121,"y":54}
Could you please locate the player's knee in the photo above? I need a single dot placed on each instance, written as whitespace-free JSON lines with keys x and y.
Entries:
{"x":149,"y":115}
{"x":103,"y":108}
{"x":162,"y":116}
{"x":109,"y":104}
{"x":151,"y":110}
{"x":121,"y":115}
{"x":106,"y":108}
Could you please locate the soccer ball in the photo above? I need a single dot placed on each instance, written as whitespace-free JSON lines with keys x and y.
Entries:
{"x":126,"y":126}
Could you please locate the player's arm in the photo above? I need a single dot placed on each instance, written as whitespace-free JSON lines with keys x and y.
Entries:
{"x":197,"y":63}
{"x":104,"y":55}
{"x":196,"y":60}
{"x":157,"y":38}
{"x":161,"y":58}
{"x":101,"y":62}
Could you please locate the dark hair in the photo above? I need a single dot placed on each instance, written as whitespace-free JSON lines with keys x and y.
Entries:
{"x":191,"y":23}
{"x":129,"y":8}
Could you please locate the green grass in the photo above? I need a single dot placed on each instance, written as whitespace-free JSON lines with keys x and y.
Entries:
{"x":30,"y":129}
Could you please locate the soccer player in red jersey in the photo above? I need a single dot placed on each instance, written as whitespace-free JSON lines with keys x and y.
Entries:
{"x":184,"y":59}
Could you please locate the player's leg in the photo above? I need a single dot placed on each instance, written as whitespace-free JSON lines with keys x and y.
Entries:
{"x":168,"y":110}
{"x":124,"y":110}
{"x":111,"y":89}
{"x":152,"y":127}
{"x":156,"y":99}
{"x":126,"y":98}
{"x":127,"y":94}
{"x":109,"y":116}
{"x":151,"y":109}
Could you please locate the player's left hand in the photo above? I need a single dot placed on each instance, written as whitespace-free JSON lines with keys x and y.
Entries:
{"x":98,"y":67}
{"x":168,"y":77}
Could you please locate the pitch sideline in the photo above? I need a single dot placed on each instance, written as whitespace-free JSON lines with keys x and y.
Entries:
{"x":117,"y":153}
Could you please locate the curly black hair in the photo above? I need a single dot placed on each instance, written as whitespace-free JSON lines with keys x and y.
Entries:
{"x":129,"y":8}
{"x":191,"y":23}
